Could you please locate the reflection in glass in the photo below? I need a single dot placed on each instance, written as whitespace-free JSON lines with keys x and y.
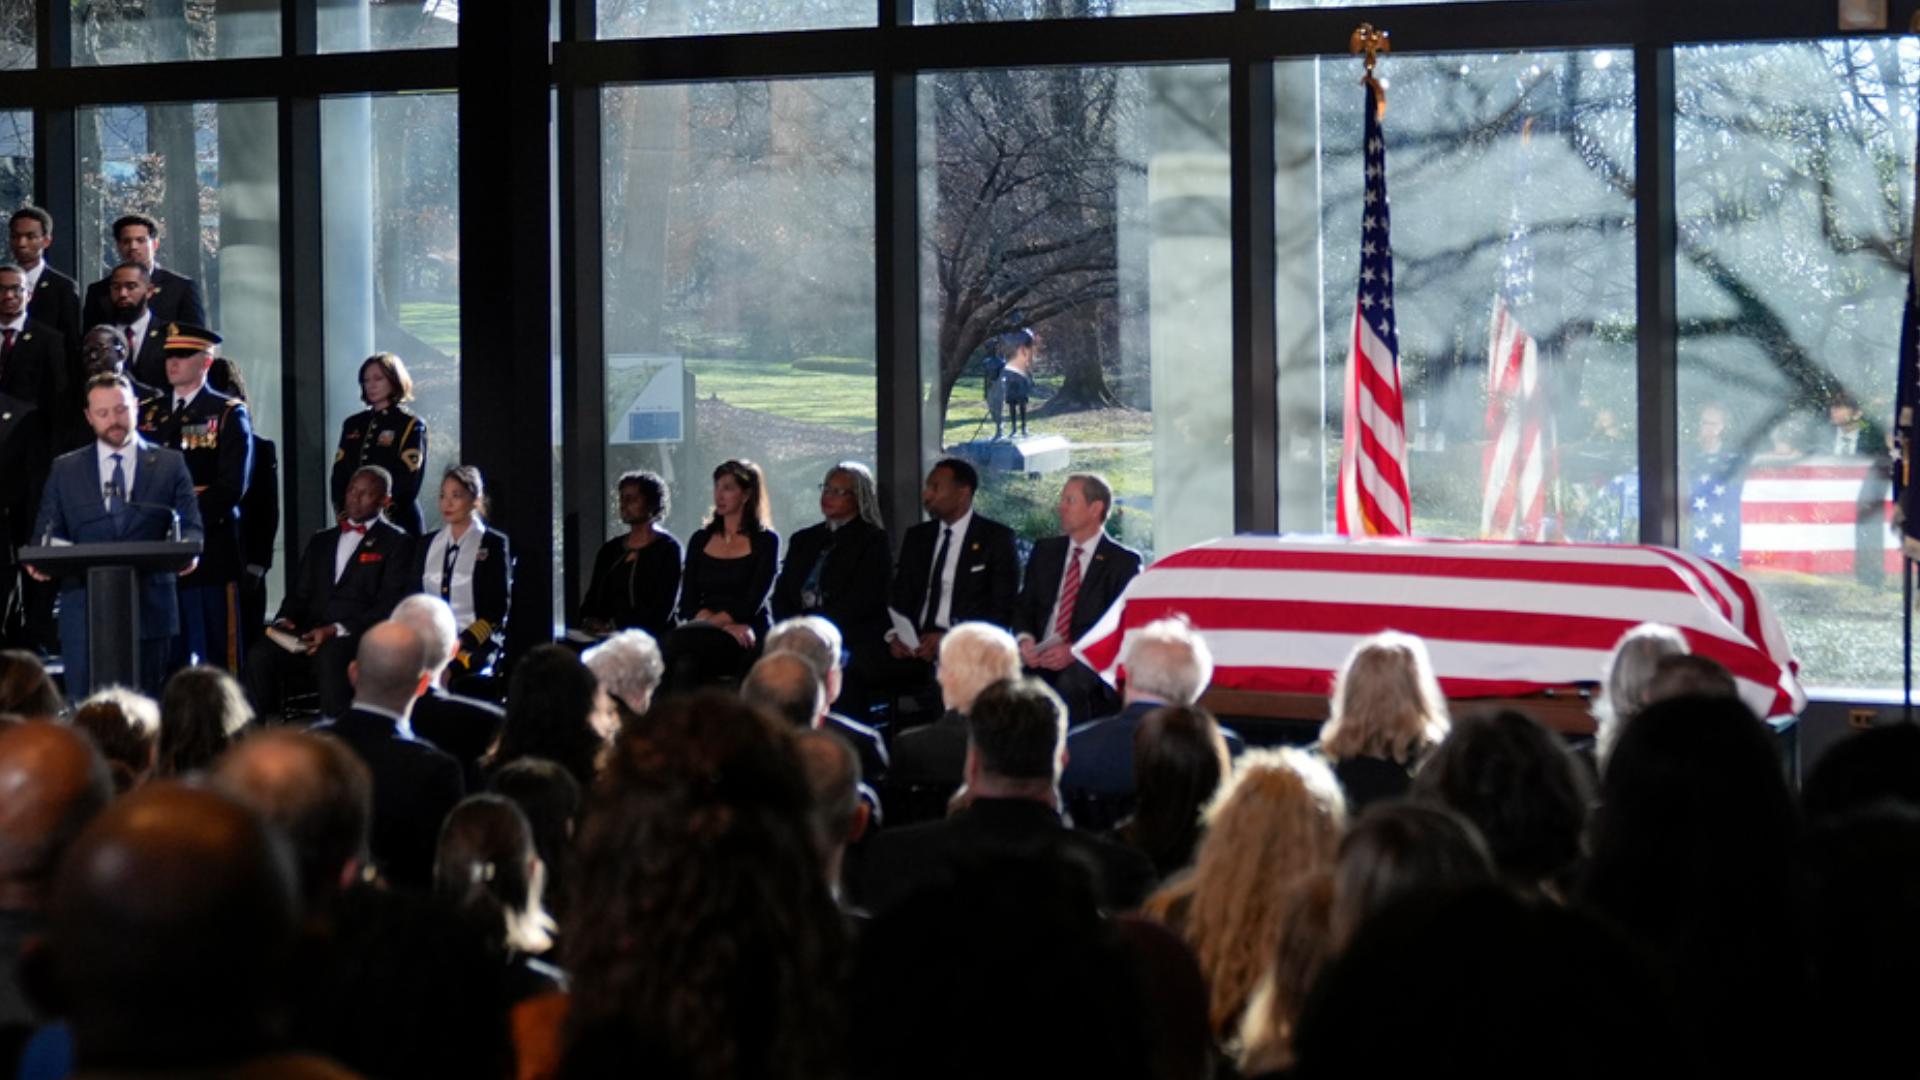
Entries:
{"x":371,"y":26}
{"x":16,"y":157}
{"x":957,"y":11}
{"x":1512,"y":186}
{"x":1088,"y":206}
{"x":118,"y":32}
{"x":739,"y":286}
{"x":17,"y":35}
{"x":677,"y":18}
{"x":390,"y":202}
{"x":1795,"y":181}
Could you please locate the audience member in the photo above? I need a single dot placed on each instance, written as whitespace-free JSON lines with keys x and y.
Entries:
{"x":1879,"y":765}
{"x":1016,"y":745}
{"x":787,"y":688}
{"x":201,"y":713}
{"x":1397,"y":849}
{"x":838,"y":570}
{"x":1690,"y":675}
{"x":550,"y":797}
{"x":488,"y":872}
{"x":556,"y":710}
{"x":125,"y":725}
{"x":464,"y":727}
{"x":1623,"y":683}
{"x":928,"y":761}
{"x":1306,"y":945}
{"x":1070,"y":582}
{"x":1179,"y":759}
{"x":1863,"y":871}
{"x":636,"y":577}
{"x":840,"y":816}
{"x":319,"y":794}
{"x":818,"y":641}
{"x":26,"y":689}
{"x":1387,"y":715}
{"x":1278,"y":817}
{"x":414,"y":784}
{"x":54,"y":783}
{"x":1518,"y":784}
{"x":629,"y":668}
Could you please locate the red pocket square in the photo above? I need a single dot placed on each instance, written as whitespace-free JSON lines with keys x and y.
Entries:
{"x":371,"y":556}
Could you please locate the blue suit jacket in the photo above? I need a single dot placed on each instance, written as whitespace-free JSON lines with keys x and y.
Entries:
{"x":72,"y":508}
{"x":1100,"y":752}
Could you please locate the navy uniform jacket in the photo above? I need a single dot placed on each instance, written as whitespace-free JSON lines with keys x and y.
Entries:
{"x":984,"y":583}
{"x":215,"y":434}
{"x":175,"y":299}
{"x":492,"y":591}
{"x":73,"y":508}
{"x":395,"y":440}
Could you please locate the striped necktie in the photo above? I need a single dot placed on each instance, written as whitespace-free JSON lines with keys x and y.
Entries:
{"x":1069,"y":592}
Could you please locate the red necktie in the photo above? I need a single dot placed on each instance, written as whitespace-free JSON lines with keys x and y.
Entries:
{"x":133,"y":350}
{"x":1069,"y":591}
{"x":348,"y":526}
{"x":6,"y":347}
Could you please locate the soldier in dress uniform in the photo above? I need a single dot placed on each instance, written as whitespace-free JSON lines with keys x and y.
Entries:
{"x":386,"y":433}
{"x":215,"y":433}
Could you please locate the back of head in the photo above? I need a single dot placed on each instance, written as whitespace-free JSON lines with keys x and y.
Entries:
{"x":431,"y":618}
{"x":1516,"y":782}
{"x":1864,"y":885}
{"x":1168,"y":661}
{"x":1386,"y":702}
{"x":973,"y":656}
{"x":1879,"y":765}
{"x":811,"y":637}
{"x":172,"y":919}
{"x":550,"y":798}
{"x":53,"y":782}
{"x":485,"y":870}
{"x":628,"y":665}
{"x":550,"y":712}
{"x":1397,"y":849}
{"x":125,"y":725}
{"x":1179,"y":760}
{"x":26,"y":689}
{"x":1017,"y":728}
{"x":201,"y":712}
{"x":786,"y":686}
{"x":833,"y":776}
{"x":1629,"y":669}
{"x":316,"y":791}
{"x":1690,"y":675}
{"x":388,"y":666}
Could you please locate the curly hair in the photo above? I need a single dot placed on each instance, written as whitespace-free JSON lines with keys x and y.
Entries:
{"x":1386,"y":702}
{"x":1280,"y":816}
{"x":702,"y":932}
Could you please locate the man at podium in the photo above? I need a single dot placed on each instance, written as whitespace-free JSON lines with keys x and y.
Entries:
{"x":120,"y":488}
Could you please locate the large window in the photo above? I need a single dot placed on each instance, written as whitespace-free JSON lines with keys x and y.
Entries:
{"x":739,"y":285}
{"x":949,"y":11}
{"x":1795,"y":188}
{"x":123,"y":32}
{"x":676,"y":18}
{"x":1511,"y":179}
{"x":368,"y":25}
{"x":1083,"y":212}
{"x":390,"y":201}
{"x":16,"y":157}
{"x":16,"y":35}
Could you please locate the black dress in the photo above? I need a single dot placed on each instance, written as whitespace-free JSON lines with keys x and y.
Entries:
{"x":395,"y":440}
{"x":635,"y":589}
{"x":738,"y":587}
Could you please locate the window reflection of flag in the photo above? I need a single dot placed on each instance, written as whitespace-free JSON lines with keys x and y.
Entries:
{"x":1804,"y":515}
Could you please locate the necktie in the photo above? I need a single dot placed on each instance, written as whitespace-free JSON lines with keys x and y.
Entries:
{"x":935,"y":580}
{"x":446,"y":572}
{"x":352,"y":528}
{"x":133,"y":347}
{"x":116,"y":486}
{"x":1069,"y":591}
{"x":7,"y":346}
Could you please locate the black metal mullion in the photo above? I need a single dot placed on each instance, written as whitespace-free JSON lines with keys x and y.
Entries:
{"x":899,"y":423}
{"x":304,"y":458}
{"x":1656,"y":303}
{"x":582,"y":307}
{"x":1256,"y":422}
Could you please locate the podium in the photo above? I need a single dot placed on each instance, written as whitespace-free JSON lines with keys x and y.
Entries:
{"x":113,"y":572}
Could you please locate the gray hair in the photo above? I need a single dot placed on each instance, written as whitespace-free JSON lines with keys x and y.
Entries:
{"x":627,"y":664}
{"x":865,"y":495}
{"x":974,"y":656}
{"x":1166,"y":659}
{"x":432,"y":619}
{"x":810,"y":637}
{"x":1623,"y":684}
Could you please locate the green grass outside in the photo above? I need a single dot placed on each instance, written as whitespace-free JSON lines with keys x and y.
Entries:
{"x":436,"y":323}
{"x":830,"y":399}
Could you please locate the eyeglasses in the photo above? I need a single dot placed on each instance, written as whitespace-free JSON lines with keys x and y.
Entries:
{"x":837,"y":492}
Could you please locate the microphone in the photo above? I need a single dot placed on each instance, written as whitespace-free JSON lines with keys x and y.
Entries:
{"x":174,"y":515}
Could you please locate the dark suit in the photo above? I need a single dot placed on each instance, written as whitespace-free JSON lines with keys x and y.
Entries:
{"x":463,"y":727}
{"x":175,"y":299}
{"x":1100,"y":753}
{"x":1102,"y":580}
{"x":259,"y":529}
{"x":414,"y":786}
{"x":866,"y":741}
{"x":56,"y":302}
{"x":928,"y":766}
{"x":379,"y":574}
{"x":902,"y":862}
{"x":215,"y":433}
{"x":850,"y":591}
{"x":35,"y":368}
{"x":984,"y":583}
{"x":73,"y":508}
{"x":23,"y":468}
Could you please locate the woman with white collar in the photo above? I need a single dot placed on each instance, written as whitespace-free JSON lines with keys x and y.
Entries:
{"x":467,"y":564}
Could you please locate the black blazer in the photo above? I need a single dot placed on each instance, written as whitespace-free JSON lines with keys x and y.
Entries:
{"x":56,"y":302}
{"x":149,"y":364}
{"x":492,"y":592}
{"x":24,"y":460}
{"x":1101,"y":581}
{"x":175,"y":299}
{"x":984,"y":584}
{"x":853,"y":583}
{"x":415,"y":784}
{"x":744,"y":604}
{"x":381,"y":573}
{"x":36,"y":369}
{"x":260,"y":506}
{"x":215,"y":434}
{"x":463,"y":727}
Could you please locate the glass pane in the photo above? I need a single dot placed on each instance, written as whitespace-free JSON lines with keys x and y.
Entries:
{"x":677,"y":18}
{"x":390,"y":204}
{"x":739,"y":286}
{"x":17,"y":25}
{"x":210,"y":176}
{"x":377,"y":25}
{"x":116,"y":32}
{"x":1089,"y":207}
{"x":1795,"y":213}
{"x":957,"y":11}
{"x":1511,"y":181}
{"x":16,"y":157}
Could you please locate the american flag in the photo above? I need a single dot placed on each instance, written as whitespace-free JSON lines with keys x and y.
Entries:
{"x":1806,"y":515}
{"x":1373,"y":498}
{"x":1715,"y":483}
{"x":1520,"y":467}
{"x":1280,"y":614}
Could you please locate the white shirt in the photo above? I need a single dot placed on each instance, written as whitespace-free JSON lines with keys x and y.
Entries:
{"x":460,"y":595}
{"x":950,"y":570}
{"x":129,"y":454}
{"x":33,"y":278}
{"x":343,"y":550}
{"x":1086,"y":549}
{"x":180,"y":402}
{"x":18,"y":326}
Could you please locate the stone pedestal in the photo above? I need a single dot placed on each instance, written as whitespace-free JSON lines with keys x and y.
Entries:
{"x":1032,"y":454}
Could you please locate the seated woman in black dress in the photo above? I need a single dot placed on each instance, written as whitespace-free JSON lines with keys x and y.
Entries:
{"x":1387,"y":714}
{"x":636,"y":576}
{"x":732,"y":558}
{"x":839,"y":569}
{"x":468,"y":565}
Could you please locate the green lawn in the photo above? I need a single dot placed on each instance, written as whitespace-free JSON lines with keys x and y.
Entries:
{"x":830,"y":399}
{"x":437,"y":324}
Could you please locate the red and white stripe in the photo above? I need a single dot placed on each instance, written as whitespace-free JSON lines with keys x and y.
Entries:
{"x":1801,"y":516}
{"x":1373,"y":499}
{"x":1518,"y":464}
{"x":1500,"y":619}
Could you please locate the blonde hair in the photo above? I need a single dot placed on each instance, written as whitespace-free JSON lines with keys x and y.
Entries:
{"x":1306,"y":945}
{"x":1277,"y":818}
{"x":1386,"y":702}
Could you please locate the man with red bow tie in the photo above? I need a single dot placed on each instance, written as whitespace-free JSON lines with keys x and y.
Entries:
{"x":350,"y":578}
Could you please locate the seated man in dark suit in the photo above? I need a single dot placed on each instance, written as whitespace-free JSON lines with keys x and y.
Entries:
{"x":1071,"y":581}
{"x":1167,"y":663}
{"x":414,"y":784}
{"x":1016,"y":746}
{"x":462,"y":726}
{"x":818,"y":642}
{"x":351,"y":577}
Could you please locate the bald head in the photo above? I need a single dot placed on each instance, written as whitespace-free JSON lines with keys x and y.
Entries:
{"x":52,"y":782}
{"x":316,"y":791}
{"x":786,"y":685}
{"x":171,"y":920}
{"x":389,"y":670}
